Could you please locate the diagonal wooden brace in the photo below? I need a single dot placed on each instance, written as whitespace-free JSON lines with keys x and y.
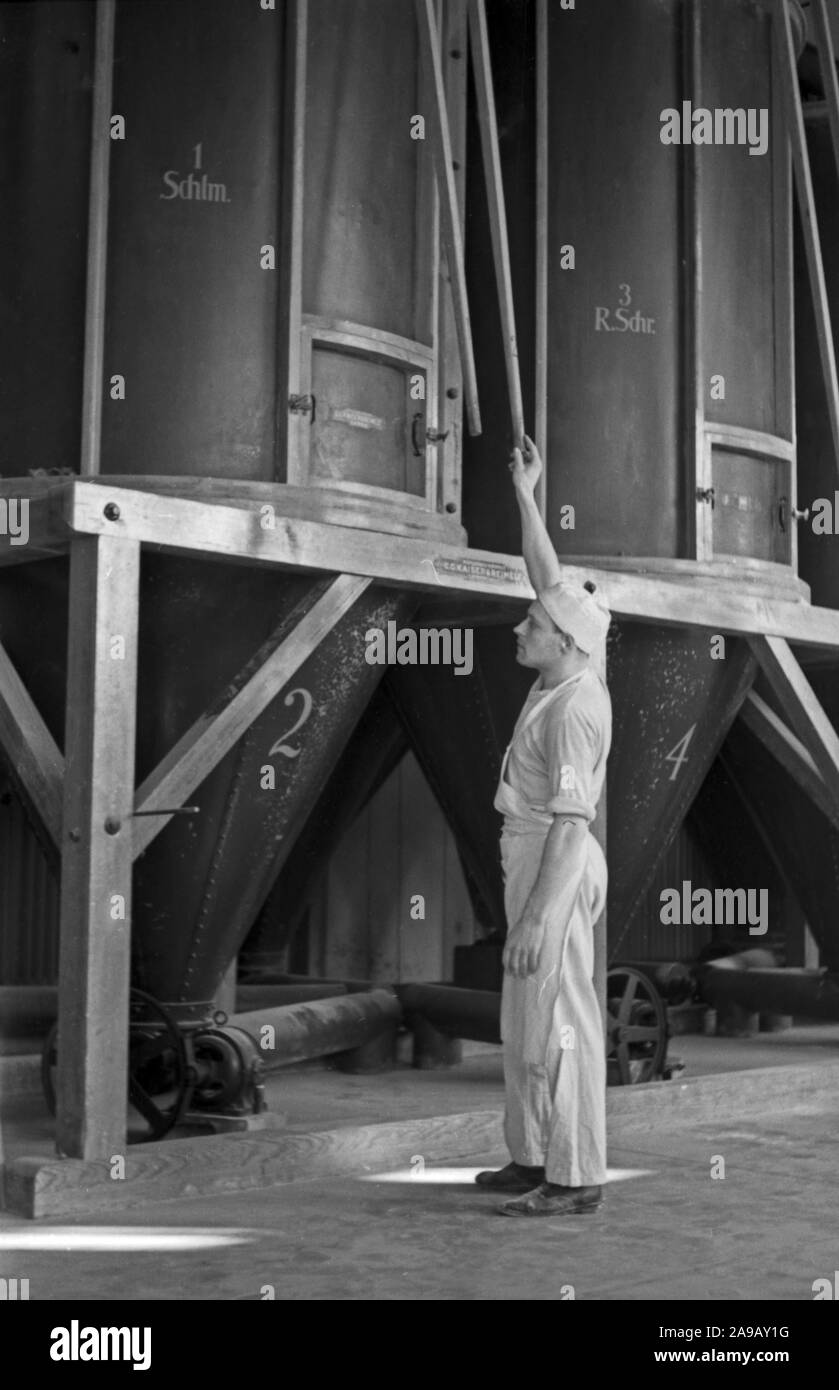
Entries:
{"x":215,"y":733}
{"x":790,"y":752}
{"x":35,"y":759}
{"x":801,"y":705}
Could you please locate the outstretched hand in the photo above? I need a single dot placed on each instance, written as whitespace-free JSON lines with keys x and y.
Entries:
{"x":526,"y":467}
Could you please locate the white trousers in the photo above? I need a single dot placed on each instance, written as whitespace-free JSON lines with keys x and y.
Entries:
{"x":551,"y":1026}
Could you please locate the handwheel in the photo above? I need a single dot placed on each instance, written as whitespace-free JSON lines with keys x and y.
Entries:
{"x":159,"y":1078}
{"x":636,"y":1026}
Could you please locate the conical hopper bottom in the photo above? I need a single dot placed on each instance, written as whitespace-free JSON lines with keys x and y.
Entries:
{"x":672,"y":703}
{"x":202,"y":881}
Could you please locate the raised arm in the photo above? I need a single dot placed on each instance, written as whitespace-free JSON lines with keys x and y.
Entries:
{"x":536,"y":546}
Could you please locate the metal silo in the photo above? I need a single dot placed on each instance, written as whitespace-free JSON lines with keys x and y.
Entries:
{"x":261,"y":274}
{"x":654,"y":314}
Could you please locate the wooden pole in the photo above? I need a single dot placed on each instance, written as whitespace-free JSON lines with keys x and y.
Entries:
{"x":449,"y":211}
{"x":827,"y":59}
{"x":488,"y":124}
{"x":541,"y":357}
{"x":93,"y":382}
{"x":809,"y":220}
{"x":95,"y":947}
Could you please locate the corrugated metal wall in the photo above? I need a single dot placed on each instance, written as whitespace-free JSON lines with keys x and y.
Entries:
{"x":29,"y":949}
{"x":400,"y":847}
{"x":648,"y":938}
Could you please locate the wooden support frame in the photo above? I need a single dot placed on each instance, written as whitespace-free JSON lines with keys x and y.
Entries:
{"x":449,"y":209}
{"x":95,"y":827}
{"x":809,"y":220}
{"x":228,"y":532}
{"x":95,"y":945}
{"x":790,"y":752}
{"x":802,"y":707}
{"x":488,"y":124}
{"x":213,"y":735}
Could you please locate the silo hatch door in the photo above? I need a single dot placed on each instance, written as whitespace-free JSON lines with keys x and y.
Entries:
{"x":749,"y":504}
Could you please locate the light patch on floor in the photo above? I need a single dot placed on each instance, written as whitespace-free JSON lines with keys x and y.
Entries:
{"x":119,"y":1238}
{"x":419,"y":1173}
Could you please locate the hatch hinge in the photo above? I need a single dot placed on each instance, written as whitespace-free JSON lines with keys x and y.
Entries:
{"x":705,"y":494}
{"x":301,"y":405}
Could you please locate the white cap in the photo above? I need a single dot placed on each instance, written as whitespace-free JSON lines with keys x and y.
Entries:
{"x":579,"y":611}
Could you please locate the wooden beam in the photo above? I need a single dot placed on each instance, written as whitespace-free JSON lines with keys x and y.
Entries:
{"x":809,"y":220}
{"x":799,"y":701}
{"x":449,"y":211}
{"x":34,"y":756}
{"x":233,"y":533}
{"x":95,"y":946}
{"x":789,"y":751}
{"x":97,"y":238}
{"x":213,"y":735}
{"x":540,"y":421}
{"x":488,"y":125}
{"x":827,"y":60}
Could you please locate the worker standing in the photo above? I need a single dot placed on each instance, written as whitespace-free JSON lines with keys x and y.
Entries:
{"x":555,"y":889}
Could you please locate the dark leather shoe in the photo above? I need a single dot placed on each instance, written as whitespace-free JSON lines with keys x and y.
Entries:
{"x":515,"y":1177}
{"x":549,"y":1200}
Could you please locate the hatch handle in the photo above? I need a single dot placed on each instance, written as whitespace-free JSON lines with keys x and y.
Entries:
{"x":785,"y":510}
{"x":431,"y":436}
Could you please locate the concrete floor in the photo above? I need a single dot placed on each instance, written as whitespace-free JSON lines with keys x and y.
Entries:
{"x":669,"y":1230}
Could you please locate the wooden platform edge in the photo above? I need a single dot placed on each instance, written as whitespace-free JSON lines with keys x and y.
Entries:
{"x":38,"y":1187}
{"x":220,"y":530}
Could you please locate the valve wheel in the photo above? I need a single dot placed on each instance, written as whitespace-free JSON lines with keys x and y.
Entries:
{"x":159,"y":1078}
{"x":636,"y":1026}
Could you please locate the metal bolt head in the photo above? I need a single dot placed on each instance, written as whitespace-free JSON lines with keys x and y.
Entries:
{"x":451,"y":506}
{"x":111,"y":511}
{"x":452,"y":393}
{"x":112,"y":825}
{"x":75,"y":836}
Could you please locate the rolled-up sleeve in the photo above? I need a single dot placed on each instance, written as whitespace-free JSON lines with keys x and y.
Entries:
{"x":571,"y":747}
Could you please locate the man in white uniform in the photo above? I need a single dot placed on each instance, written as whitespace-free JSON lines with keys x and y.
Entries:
{"x":555,"y":889}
